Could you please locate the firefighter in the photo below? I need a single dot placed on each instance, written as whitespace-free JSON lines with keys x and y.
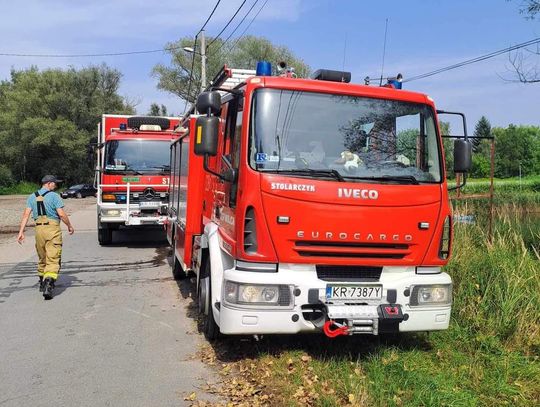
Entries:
{"x":46,"y":208}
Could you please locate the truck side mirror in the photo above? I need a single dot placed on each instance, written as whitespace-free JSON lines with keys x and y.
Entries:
{"x":209,"y":103}
{"x":206,"y":136}
{"x":462,"y":155}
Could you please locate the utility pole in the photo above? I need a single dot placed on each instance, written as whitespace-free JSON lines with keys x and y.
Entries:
{"x":203,"y":60}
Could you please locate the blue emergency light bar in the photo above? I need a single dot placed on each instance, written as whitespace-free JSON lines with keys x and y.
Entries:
{"x":264,"y":68}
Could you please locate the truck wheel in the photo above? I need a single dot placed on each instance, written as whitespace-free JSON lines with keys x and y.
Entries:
{"x":177,"y":270}
{"x":104,"y":236}
{"x":210,"y":327}
{"x":137,"y":121}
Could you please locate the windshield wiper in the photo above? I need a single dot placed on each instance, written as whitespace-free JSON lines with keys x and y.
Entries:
{"x":406,"y":179}
{"x":124,"y":171}
{"x":309,"y":171}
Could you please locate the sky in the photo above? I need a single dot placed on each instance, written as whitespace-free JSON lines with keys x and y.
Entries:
{"x":422,"y":35}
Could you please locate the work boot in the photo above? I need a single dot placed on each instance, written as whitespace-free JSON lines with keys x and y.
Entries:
{"x":48,"y":287}
{"x":40,"y":284}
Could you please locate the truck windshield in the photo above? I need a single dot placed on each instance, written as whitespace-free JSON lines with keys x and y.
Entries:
{"x":137,"y":156}
{"x":343,"y":137}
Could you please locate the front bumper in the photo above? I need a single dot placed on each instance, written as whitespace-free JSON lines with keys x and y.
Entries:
{"x":237,"y":319}
{"x":135,"y":216}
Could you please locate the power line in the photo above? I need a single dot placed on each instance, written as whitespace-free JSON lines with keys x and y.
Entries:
{"x":237,"y":26}
{"x":249,"y":25}
{"x":108,"y":54}
{"x":209,"y":17}
{"x":190,"y":81}
{"x":474,"y":60}
{"x":228,"y":23}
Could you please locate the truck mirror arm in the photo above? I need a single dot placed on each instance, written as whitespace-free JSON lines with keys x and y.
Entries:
{"x":235,"y":92}
{"x":461,"y":185}
{"x":228,"y":176}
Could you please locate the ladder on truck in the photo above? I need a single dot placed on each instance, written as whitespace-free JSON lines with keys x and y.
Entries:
{"x":226,"y":79}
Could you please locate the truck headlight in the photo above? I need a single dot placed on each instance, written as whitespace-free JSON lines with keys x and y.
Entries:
{"x":437,"y":294}
{"x":110,"y":212}
{"x":257,"y":294}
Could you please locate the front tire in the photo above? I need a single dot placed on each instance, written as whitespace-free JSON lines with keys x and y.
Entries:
{"x":209,"y":327}
{"x":104,"y":236}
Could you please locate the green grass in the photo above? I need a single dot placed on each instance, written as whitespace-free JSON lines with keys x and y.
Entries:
{"x":488,"y":357}
{"x":22,"y":188}
{"x":501,"y":186}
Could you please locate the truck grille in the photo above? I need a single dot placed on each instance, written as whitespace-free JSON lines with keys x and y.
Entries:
{"x":351,"y":249}
{"x":348,"y":273}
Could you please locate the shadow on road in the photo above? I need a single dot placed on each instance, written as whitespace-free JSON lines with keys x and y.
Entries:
{"x":82,"y":273}
{"x":139,"y":238}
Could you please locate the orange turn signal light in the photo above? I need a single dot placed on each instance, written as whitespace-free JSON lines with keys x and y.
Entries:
{"x":108,"y":197}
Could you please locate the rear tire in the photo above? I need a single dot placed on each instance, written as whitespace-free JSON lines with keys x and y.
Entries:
{"x":210,"y":328}
{"x":79,"y":195}
{"x":104,"y":236}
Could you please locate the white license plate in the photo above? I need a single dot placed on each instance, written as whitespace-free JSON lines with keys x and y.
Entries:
{"x":353,"y":292}
{"x":147,"y":205}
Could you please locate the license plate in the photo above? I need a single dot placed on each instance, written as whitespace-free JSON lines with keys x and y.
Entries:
{"x":353,"y":292}
{"x":147,"y":205}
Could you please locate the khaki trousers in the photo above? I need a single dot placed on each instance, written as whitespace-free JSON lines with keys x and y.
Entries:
{"x":48,"y":247}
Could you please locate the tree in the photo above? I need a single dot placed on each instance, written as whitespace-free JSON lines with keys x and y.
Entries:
{"x":518,"y":149}
{"x":244,"y":55}
{"x":530,"y":7}
{"x":527,"y":72}
{"x":157,"y":110}
{"x":482,"y":129}
{"x":48,"y":118}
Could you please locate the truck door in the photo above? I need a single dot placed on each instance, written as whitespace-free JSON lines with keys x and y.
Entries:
{"x":231,"y":150}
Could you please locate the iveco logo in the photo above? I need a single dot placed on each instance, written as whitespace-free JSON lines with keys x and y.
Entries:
{"x":358,"y":193}
{"x":148,"y":193}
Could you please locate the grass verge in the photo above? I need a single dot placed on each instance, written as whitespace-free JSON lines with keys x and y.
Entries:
{"x":488,"y":357}
{"x":22,"y":188}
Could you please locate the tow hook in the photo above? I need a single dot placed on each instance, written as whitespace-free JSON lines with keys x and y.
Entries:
{"x":333,"y":329}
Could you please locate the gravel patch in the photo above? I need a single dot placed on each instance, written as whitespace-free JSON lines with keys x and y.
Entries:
{"x":12,"y":207}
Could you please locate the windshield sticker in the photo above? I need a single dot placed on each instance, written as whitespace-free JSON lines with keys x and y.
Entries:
{"x":262,"y":158}
{"x":293,"y":187}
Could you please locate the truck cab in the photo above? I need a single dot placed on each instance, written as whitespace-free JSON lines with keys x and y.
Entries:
{"x":133,"y":172}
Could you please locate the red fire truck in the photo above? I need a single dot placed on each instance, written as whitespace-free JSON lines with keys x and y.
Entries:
{"x":133,"y":173}
{"x":313,"y":205}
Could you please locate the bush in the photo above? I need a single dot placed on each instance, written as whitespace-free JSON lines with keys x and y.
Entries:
{"x":6,"y":177}
{"x":480,"y":167}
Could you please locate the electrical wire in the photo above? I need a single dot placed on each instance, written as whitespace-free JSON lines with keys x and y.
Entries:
{"x":209,"y":17}
{"x":249,"y":25}
{"x":228,"y":23}
{"x":237,"y":26}
{"x":190,"y":81}
{"x":474,"y":60}
{"x":108,"y":54}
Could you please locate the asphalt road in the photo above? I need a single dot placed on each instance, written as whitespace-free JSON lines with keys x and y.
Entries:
{"x":117,"y":332}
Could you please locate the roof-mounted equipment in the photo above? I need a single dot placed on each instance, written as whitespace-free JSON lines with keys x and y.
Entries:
{"x":332,"y":76}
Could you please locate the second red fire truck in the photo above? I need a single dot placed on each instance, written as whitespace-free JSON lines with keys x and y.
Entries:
{"x":313,"y":205}
{"x":133,"y":173}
